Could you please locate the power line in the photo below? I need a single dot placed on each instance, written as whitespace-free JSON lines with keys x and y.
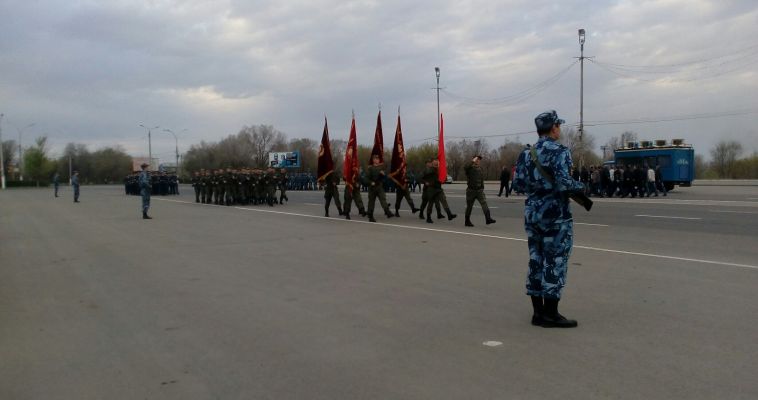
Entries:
{"x":701,"y":61}
{"x":514,"y":98}
{"x":688,"y":117}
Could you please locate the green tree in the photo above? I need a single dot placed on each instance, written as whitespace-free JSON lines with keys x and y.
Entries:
{"x":8,"y":156}
{"x":724,"y":155}
{"x":37,"y":166}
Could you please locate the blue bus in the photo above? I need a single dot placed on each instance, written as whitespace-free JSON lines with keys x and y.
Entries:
{"x":677,"y":160}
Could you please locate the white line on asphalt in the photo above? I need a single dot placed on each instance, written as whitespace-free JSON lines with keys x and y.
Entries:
{"x":584,"y":223}
{"x":664,"y":216}
{"x":313,"y":204}
{"x":733,"y":212}
{"x":421,"y":228}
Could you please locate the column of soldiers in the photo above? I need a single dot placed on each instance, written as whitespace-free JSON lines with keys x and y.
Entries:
{"x":240,"y":186}
{"x":161,"y":184}
{"x":622,"y":181}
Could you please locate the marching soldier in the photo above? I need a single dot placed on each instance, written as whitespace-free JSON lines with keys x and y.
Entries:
{"x":475,"y":189}
{"x":331,"y":191}
{"x":145,"y":184}
{"x":435,"y":192}
{"x":375,"y":175}
{"x":196,"y":185}
{"x":283,"y":182}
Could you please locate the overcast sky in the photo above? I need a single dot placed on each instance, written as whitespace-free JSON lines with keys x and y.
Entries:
{"x":92,"y":71}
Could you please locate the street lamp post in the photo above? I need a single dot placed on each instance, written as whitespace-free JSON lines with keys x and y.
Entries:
{"x":437,"y":72}
{"x":581,"y":95}
{"x":177,"y":147}
{"x":2,"y":161}
{"x":149,"y":143}
{"x":20,"y":157}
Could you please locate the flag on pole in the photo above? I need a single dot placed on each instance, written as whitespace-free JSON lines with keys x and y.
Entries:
{"x":378,"y":140}
{"x":325,"y":162}
{"x":399,"y":166}
{"x":350,"y":166}
{"x":442,"y":172}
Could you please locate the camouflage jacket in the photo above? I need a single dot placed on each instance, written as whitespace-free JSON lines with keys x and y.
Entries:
{"x":546,"y":203}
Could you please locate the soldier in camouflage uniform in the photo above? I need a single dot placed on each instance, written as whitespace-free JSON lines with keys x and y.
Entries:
{"x":354,"y":195}
{"x":331,"y":191}
{"x":547,"y":219}
{"x":375,"y":176}
{"x":475,"y":189}
{"x":436,"y":194}
{"x":283,"y":182}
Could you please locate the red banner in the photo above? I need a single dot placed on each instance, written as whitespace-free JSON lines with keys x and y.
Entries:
{"x":325,"y":162}
{"x":399,"y":166}
{"x":350,"y":166}
{"x":378,"y":140}
{"x":442,"y":172}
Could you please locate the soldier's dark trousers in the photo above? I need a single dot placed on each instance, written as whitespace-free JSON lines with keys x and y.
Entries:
{"x":478,"y":195}
{"x":401,"y":194}
{"x":353,"y":196}
{"x":197,"y":194}
{"x":374,"y":193}
{"x":331,"y":192}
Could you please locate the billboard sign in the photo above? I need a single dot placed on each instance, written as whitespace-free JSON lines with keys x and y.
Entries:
{"x":285,"y":159}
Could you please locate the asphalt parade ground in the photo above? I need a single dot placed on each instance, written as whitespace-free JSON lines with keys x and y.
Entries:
{"x":258,"y":302}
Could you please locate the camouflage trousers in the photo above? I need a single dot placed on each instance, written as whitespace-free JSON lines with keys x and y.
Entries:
{"x":478,"y":195}
{"x":353,"y":196}
{"x":375,"y":192}
{"x":549,"y":251}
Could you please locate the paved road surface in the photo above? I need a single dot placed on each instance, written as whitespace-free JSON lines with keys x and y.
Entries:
{"x":208,"y":302}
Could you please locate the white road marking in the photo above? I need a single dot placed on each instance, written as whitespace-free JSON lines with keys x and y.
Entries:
{"x":313,"y":204}
{"x":584,"y":223}
{"x":492,"y":343}
{"x":421,"y":228}
{"x":734,"y":212}
{"x":664,"y":216}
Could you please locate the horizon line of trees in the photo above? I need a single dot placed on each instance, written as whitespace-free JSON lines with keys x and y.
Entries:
{"x":251,"y":145}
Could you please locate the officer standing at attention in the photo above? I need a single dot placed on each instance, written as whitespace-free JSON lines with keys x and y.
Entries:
{"x":144,"y":190}
{"x":75,"y":185}
{"x":475,"y":189}
{"x":57,"y":183}
{"x":547,"y":218}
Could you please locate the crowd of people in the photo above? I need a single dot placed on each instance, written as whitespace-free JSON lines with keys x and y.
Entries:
{"x":621,"y":181}
{"x":241,"y":186}
{"x":161,"y":184}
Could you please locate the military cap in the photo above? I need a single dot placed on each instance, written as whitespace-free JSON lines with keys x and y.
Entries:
{"x":547,"y":119}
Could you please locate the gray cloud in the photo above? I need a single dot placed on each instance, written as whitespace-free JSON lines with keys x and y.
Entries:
{"x":93,"y":71}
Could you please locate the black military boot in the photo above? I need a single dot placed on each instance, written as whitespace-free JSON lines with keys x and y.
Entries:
{"x":450,"y":215}
{"x":326,"y":211}
{"x":339,"y":209}
{"x":145,"y":216}
{"x":397,"y":212}
{"x":538,"y":311}
{"x":347,"y":215}
{"x":488,"y":218}
{"x":421,"y":214}
{"x":552,"y":319}
{"x":371,"y":217}
{"x":414,"y":209}
{"x":429,"y":219}
{"x":362,"y":212}
{"x":468,"y":221}
{"x":440,"y":215}
{"x":388,"y":213}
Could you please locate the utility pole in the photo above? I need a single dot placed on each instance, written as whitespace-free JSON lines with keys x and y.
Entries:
{"x":70,"y":169}
{"x":2,"y":161}
{"x":581,"y":96}
{"x":437,"y":72}
{"x":149,"y":143}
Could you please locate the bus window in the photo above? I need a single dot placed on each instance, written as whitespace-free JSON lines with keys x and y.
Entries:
{"x":664,"y":161}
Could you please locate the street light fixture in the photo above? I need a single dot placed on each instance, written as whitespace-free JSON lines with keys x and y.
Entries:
{"x":20,"y":157}
{"x":437,"y":72}
{"x":581,"y":93}
{"x":177,"y":147}
{"x":149,"y":143}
